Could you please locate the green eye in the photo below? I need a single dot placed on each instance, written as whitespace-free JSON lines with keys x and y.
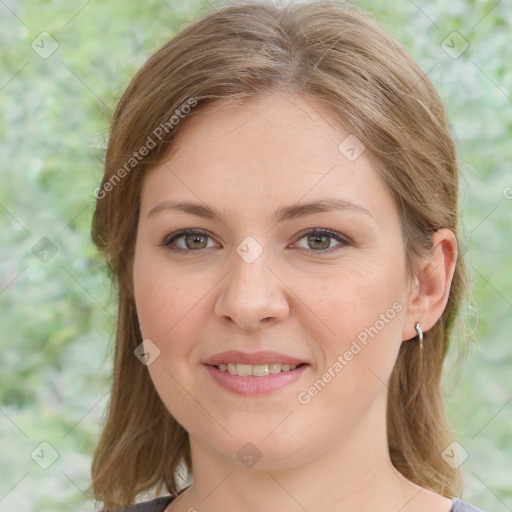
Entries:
{"x":194,"y":240}
{"x":319,"y":240}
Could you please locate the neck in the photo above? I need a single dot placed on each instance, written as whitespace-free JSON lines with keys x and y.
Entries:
{"x":353,"y":474}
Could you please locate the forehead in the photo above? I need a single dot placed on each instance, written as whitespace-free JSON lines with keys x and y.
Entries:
{"x":263,"y":151}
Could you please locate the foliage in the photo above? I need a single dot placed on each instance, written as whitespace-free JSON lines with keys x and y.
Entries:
{"x":58,"y":315}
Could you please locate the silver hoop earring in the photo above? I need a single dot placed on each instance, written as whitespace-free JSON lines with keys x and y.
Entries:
{"x":420,"y":333}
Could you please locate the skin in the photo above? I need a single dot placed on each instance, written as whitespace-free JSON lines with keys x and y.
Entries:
{"x":246,"y":160}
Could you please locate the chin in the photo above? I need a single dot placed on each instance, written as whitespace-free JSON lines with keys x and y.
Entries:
{"x":257,"y":449}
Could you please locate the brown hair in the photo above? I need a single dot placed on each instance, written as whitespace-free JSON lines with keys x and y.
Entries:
{"x":336,"y":54}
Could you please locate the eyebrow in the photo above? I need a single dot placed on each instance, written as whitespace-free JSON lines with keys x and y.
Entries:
{"x":281,"y":214}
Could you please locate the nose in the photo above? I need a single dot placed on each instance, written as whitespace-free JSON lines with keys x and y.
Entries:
{"x":253,"y":296}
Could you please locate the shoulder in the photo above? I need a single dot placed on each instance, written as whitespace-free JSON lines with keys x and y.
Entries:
{"x":155,"y":505}
{"x":462,"y":506}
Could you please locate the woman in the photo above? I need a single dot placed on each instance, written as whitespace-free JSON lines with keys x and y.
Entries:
{"x":279,"y":210}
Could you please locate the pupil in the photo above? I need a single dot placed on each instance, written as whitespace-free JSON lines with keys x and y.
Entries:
{"x":194,"y":238}
{"x":319,"y":239}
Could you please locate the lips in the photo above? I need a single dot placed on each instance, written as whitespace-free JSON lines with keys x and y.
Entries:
{"x":255,"y":358}
{"x":257,"y":373}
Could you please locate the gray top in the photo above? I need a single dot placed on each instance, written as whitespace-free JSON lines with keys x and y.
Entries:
{"x":461,"y":506}
{"x":160,"y":504}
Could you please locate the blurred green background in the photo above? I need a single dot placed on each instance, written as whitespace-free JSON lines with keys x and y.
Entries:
{"x":57,"y":308}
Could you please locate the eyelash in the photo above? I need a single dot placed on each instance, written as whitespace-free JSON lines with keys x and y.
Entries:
{"x":332,"y":234}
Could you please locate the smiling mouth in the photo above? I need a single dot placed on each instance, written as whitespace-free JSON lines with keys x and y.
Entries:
{"x":256,"y":370}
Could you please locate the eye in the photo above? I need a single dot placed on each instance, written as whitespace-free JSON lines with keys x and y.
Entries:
{"x":194,"y":240}
{"x":319,"y":240}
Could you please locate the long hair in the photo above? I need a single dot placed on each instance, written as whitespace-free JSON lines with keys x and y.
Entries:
{"x":337,"y":54}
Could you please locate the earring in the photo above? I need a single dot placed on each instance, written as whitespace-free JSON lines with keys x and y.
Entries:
{"x":420,"y":333}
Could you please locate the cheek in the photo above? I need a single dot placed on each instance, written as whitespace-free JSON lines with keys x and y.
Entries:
{"x":356,"y":297}
{"x":170,"y":304}
{"x":162,"y":298}
{"x":362,"y":311}
{"x":165,"y":310}
{"x":365,"y":312}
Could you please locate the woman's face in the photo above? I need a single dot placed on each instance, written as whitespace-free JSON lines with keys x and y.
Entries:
{"x":267,"y":277}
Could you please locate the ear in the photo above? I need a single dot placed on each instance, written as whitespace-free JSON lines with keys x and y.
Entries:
{"x":429,"y":293}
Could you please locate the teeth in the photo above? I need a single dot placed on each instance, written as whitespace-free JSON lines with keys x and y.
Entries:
{"x":256,"y":370}
{"x":274,"y":368}
{"x":259,"y":370}
{"x":243,"y":369}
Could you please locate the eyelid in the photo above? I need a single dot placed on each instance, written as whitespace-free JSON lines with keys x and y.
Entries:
{"x":342,"y":239}
{"x":166,"y":243}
